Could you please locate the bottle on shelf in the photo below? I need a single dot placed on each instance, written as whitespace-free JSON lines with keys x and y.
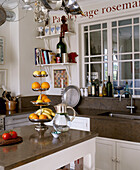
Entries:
{"x":89,"y":88}
{"x":109,"y":87}
{"x":104,"y":90}
{"x":101,"y":90}
{"x":127,"y":90}
{"x":93,"y":88}
{"x":61,"y":48}
{"x":97,"y":88}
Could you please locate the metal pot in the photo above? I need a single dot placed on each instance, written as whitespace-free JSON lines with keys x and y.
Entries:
{"x":10,"y":105}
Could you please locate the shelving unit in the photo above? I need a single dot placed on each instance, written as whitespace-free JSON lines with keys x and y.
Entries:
{"x":48,"y":67}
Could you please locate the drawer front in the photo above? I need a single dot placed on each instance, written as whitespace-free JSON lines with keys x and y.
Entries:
{"x":16,"y":119}
{"x":13,"y":126}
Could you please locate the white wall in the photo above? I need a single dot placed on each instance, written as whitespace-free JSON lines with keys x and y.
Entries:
{"x":20,"y":44}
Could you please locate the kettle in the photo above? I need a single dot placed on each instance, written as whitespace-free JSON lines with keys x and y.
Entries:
{"x":61,"y":121}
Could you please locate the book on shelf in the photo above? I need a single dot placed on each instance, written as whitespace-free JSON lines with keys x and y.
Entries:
{"x":52,"y":57}
{"x":41,"y":56}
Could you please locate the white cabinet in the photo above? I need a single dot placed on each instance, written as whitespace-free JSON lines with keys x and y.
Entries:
{"x":117,"y":155}
{"x":105,"y":154}
{"x":128,"y":156}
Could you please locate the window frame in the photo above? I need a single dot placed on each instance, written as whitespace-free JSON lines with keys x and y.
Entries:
{"x":109,"y":47}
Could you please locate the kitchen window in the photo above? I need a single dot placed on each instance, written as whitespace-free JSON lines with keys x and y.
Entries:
{"x":113,"y":48}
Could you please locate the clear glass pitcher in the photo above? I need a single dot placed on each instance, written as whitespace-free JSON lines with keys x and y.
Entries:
{"x":61,"y":121}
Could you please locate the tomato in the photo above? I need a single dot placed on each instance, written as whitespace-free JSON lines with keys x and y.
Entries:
{"x":6,"y":136}
{"x":13,"y":134}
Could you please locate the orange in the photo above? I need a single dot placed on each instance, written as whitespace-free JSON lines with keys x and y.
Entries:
{"x":35,"y":85}
{"x":31,"y":115}
{"x":47,"y":100}
{"x":45,"y":85}
{"x":44,"y":97}
{"x":34,"y":116}
{"x":42,"y":117}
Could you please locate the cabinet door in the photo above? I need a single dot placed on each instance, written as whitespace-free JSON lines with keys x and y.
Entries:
{"x":128,"y":156}
{"x":105,"y":154}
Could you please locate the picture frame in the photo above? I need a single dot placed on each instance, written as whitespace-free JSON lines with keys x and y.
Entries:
{"x":1,"y":50}
{"x":59,"y":76}
{"x":3,"y":77}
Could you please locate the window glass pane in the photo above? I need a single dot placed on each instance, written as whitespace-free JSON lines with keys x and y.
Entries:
{"x":136,"y":20}
{"x":104,"y":25}
{"x":95,"y":59}
{"x":137,"y":70}
{"x":86,"y":73}
{"x":114,"y":40}
{"x":86,"y":59}
{"x":105,"y":42}
{"x":123,"y":83}
{"x":125,"y":22}
{"x":105,"y":58}
{"x":137,"y":83}
{"x":105,"y":69}
{"x":86,"y":28}
{"x":125,"y":39}
{"x":126,"y":57}
{"x":137,"y":92}
{"x":115,"y":57}
{"x":136,"y":38}
{"x":125,"y":70}
{"x":115,"y":71}
{"x":95,"y":27}
{"x":95,"y":43}
{"x":86,"y":44}
{"x":114,"y":24}
{"x":98,"y":69}
{"x":137,"y":56}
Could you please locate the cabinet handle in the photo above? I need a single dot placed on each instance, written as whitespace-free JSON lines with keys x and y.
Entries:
{"x":113,"y":159}
{"x":117,"y":160}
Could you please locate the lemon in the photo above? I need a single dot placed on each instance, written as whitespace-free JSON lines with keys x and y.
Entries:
{"x":36,"y":73}
{"x":43,"y":73}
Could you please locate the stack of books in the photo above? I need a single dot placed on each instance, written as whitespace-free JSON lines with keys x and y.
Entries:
{"x":43,"y":56}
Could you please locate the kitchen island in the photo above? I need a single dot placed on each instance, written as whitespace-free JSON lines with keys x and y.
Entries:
{"x":42,"y":151}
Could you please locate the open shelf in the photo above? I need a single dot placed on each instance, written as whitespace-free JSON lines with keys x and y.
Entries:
{"x":55,"y":35}
{"x":55,"y":64}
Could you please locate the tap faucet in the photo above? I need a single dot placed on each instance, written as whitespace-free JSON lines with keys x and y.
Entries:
{"x":128,"y":107}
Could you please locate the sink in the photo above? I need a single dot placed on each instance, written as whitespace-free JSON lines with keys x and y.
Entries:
{"x":120,"y":115}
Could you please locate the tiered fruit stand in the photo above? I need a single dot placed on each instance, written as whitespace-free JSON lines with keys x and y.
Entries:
{"x":40,"y":126}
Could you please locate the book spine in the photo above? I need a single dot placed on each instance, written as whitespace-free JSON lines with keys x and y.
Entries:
{"x":45,"y":56}
{"x":40,"y":56}
{"x":35,"y":56}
